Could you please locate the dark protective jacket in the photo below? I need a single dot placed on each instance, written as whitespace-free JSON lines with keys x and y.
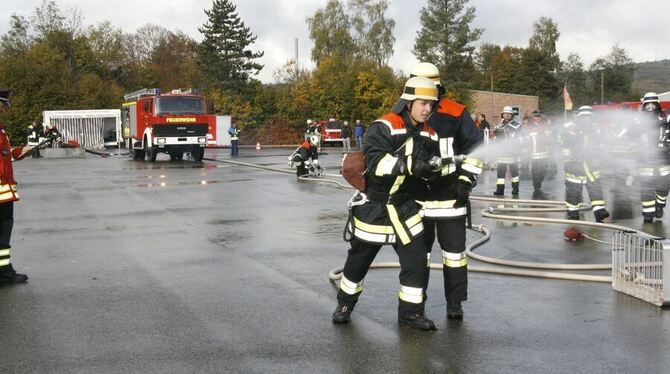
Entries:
{"x":346,"y":132}
{"x":306,"y":152}
{"x":458,"y":135}
{"x":391,"y":213}
{"x":508,"y":131}
{"x":536,"y":138}
{"x":651,"y":141}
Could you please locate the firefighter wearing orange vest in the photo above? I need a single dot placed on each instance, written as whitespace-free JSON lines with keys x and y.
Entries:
{"x":306,"y":157}
{"x":444,"y":199}
{"x":387,"y":212}
{"x":8,"y":196}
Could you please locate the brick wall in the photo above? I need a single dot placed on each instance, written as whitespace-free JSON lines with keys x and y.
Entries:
{"x":491,"y":104}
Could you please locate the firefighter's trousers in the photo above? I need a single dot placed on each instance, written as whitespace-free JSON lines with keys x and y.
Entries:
{"x":412,"y":273}
{"x":451,"y":236}
{"x":301,"y":170}
{"x":654,"y":187}
{"x":577,"y":175}
{"x":502,"y":171}
{"x":539,"y":168}
{"x":6,"y":225}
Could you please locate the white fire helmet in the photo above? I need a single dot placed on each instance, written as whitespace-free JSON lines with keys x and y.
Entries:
{"x":309,"y":121}
{"x":428,"y":70}
{"x":584,"y":110}
{"x":314,"y":140}
{"x":508,"y":109}
{"x":650,"y":102}
{"x":419,"y":88}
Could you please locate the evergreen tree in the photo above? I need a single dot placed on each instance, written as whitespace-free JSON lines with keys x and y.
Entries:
{"x":224,"y":57}
{"x":446,"y":40}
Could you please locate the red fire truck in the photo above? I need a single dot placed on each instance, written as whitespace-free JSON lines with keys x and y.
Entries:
{"x":331,"y":131}
{"x":171,"y":123}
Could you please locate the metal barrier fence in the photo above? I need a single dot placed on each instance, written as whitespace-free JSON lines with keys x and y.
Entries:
{"x":87,"y":131}
{"x":637,"y":267}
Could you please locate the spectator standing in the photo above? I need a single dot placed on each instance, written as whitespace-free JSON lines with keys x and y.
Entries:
{"x":346,"y":138}
{"x":359,"y":130}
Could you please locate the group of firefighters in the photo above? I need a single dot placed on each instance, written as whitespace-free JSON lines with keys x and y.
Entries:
{"x":420,"y":171}
{"x":627,"y":146}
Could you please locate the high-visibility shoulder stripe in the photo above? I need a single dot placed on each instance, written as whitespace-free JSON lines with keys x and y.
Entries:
{"x":450,"y":107}
{"x":394,"y":120}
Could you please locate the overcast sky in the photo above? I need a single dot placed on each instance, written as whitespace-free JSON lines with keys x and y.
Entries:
{"x":587,"y":27}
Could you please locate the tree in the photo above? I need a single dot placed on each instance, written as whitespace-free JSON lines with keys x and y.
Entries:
{"x":545,"y":36}
{"x":373,"y":31}
{"x":446,"y":39}
{"x":484,"y":59}
{"x":224,"y":57}
{"x":329,"y":29}
{"x":574,"y":76}
{"x":616,"y":70}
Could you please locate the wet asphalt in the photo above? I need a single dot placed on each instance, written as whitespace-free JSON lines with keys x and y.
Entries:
{"x":180,"y":267}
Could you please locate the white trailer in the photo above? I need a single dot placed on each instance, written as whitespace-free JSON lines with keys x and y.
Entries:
{"x":97,"y":128}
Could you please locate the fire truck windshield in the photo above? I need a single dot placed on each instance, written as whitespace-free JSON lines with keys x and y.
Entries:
{"x":180,"y":105}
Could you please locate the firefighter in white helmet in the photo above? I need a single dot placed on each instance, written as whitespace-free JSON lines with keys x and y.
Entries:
{"x":581,"y":147}
{"x":387,"y":212}
{"x":306,"y":157}
{"x":507,"y":131}
{"x":653,"y":158}
{"x":444,"y":199}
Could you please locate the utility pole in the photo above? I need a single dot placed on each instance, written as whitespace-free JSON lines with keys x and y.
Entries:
{"x":602,"y":87}
{"x":492,"y":108}
{"x":297,"y":67}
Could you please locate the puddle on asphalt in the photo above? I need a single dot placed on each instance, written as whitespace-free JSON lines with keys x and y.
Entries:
{"x":202,"y":183}
{"x":227,"y":221}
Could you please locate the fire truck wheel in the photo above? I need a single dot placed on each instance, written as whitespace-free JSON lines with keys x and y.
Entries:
{"x":176,"y":155}
{"x":151,"y":154}
{"x":198,"y":153}
{"x":138,"y":154}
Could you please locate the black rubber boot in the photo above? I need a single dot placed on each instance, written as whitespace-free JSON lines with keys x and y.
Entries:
{"x":515,"y":188}
{"x":573,"y":215}
{"x":601,"y":214}
{"x":649,"y":217}
{"x":9,"y":276}
{"x":659,"y":210}
{"x":416,"y":321}
{"x":454,"y":311}
{"x":500,"y":190}
{"x":342,"y":314}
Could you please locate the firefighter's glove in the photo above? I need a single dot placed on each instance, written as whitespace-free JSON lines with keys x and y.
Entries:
{"x":318,"y":167}
{"x":423,"y":170}
{"x":436,"y":163}
{"x":462,"y":194}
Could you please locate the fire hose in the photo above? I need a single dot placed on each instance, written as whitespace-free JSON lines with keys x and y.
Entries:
{"x":517,"y":268}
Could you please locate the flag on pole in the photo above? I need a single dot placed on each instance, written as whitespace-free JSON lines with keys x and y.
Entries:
{"x":566,"y":98}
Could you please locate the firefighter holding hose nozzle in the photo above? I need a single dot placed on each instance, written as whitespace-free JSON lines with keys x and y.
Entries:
{"x":306,"y":158}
